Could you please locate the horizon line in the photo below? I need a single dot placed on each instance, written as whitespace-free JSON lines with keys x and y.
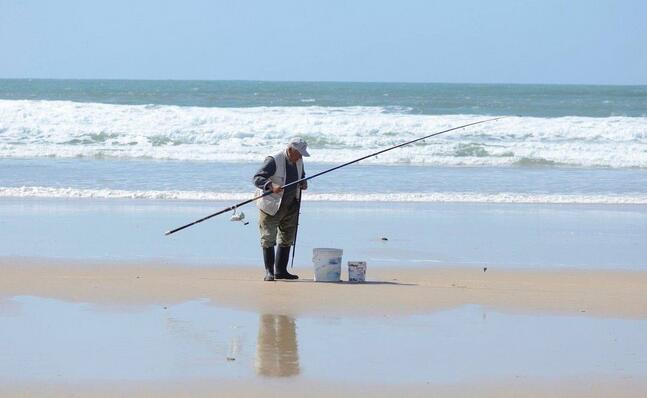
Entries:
{"x":327,"y":81}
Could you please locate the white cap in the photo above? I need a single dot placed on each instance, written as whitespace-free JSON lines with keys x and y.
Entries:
{"x":300,"y":145}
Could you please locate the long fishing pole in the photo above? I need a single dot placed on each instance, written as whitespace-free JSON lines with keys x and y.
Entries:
{"x":230,"y":208}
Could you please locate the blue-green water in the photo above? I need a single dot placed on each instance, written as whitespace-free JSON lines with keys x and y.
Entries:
{"x":216,"y":121}
{"x":413,"y":98}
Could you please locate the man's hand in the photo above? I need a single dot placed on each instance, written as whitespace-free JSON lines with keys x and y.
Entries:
{"x":303,"y":185}
{"x":276,"y":188}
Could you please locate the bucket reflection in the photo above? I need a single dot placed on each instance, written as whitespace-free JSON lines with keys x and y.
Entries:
{"x":277,"y":353}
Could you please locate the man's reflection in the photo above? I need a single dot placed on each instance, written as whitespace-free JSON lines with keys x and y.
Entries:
{"x":277,"y":354}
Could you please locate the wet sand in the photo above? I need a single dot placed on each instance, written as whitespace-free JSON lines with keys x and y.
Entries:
{"x":422,"y":235}
{"x":232,"y":388}
{"x":281,"y":323}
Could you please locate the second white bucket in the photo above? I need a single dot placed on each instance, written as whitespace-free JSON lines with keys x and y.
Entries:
{"x":357,"y":271}
{"x":327,"y":264}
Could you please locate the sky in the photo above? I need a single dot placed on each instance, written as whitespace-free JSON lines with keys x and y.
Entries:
{"x":495,"y":41}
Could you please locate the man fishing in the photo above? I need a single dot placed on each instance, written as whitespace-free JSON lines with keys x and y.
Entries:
{"x":274,"y":175}
{"x":279,"y":211}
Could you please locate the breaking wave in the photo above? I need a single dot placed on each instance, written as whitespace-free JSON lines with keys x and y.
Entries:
{"x":64,"y":129}
{"x":437,"y":197}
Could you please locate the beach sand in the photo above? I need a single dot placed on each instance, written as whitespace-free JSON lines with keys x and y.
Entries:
{"x":392,"y":292}
{"x":398,"y":291}
{"x":232,"y":388}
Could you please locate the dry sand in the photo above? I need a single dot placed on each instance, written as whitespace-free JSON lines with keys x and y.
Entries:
{"x":397,"y":291}
{"x":402,"y":291}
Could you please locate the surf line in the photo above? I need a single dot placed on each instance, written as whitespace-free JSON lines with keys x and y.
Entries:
{"x":234,"y":207}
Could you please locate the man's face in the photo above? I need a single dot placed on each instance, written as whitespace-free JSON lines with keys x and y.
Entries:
{"x":293,"y":154}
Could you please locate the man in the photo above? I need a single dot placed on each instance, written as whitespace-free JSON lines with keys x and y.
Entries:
{"x":280,"y":209}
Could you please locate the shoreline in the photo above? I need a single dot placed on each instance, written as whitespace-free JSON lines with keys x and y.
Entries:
{"x":392,"y":291}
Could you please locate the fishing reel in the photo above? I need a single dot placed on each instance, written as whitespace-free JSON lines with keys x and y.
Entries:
{"x":238,"y":217}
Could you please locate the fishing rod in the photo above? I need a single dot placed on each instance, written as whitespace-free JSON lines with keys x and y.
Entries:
{"x":234,"y":207}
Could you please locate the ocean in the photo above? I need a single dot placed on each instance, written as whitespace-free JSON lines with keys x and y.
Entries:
{"x":81,"y":143}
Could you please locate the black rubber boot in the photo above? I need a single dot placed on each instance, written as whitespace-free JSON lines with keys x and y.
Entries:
{"x":282,"y":257}
{"x":268,"y":258}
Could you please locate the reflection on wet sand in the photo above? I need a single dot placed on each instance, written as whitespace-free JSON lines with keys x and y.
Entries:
{"x":277,"y":353}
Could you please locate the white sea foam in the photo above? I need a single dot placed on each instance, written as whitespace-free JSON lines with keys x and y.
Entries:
{"x":437,"y":197}
{"x":336,"y":134}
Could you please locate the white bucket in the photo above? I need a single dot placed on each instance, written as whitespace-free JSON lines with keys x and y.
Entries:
{"x":327,"y":263}
{"x":357,"y":271}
